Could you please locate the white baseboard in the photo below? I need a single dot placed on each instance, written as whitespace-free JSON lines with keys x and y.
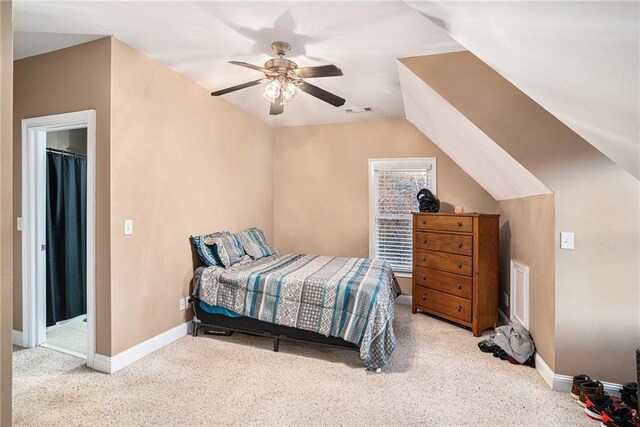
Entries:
{"x":17,"y":338}
{"x":504,"y":319}
{"x":403,"y":299}
{"x":545,"y":371}
{"x":121,"y":360}
{"x":563,"y":383}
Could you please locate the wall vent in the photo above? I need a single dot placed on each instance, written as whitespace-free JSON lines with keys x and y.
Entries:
{"x":358,"y":110}
{"x":519,"y":292}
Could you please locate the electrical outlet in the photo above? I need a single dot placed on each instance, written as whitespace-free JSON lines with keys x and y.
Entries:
{"x":183,"y":304}
{"x":506,"y":299}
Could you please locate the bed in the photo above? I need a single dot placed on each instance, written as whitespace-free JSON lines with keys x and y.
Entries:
{"x":345,"y":302}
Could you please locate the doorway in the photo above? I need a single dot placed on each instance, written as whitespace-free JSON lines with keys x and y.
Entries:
{"x":58,"y":236}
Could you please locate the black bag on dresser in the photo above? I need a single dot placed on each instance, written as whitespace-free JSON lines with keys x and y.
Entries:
{"x":428,"y":201}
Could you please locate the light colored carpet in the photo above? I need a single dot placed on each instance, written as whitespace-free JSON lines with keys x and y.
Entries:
{"x":71,"y":335}
{"x":437,"y":376}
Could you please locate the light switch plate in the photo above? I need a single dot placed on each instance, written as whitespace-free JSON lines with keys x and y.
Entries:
{"x":567,"y":240}
{"x":19,"y":223}
{"x":128,"y":227}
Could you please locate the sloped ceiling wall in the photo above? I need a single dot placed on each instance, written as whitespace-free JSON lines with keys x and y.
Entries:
{"x":580,"y":60}
{"x":476,"y":153}
{"x":594,"y":198}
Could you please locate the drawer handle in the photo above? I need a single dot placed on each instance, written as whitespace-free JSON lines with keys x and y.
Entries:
{"x":424,"y":221}
{"x":459,"y":286}
{"x":424,"y":240}
{"x":459,"y":224}
{"x":424,"y":259}
{"x":459,"y":244}
{"x":424,"y":277}
{"x":424,"y":297}
{"x":458,"y":308}
{"x":458,"y":265}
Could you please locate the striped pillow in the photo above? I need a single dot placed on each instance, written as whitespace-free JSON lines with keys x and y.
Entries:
{"x":205,"y":252}
{"x":255,"y":243}
{"x":228,"y":249}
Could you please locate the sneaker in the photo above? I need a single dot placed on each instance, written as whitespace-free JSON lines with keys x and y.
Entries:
{"x":578,"y":380}
{"x":629,"y":394}
{"x":592,"y":387}
{"x":621,"y":417}
{"x":486,"y":346}
{"x":500,"y":353}
{"x":597,"y":404}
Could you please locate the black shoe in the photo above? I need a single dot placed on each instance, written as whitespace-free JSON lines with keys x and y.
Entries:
{"x":486,"y":347}
{"x":621,"y":417}
{"x":629,"y":394}
{"x":596,"y":405}
{"x":500,"y":353}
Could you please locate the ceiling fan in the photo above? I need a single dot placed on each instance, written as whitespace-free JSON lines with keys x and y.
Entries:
{"x":285,"y":81}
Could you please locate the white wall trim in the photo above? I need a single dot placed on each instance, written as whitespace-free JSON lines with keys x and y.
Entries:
{"x":544,"y":370}
{"x":563,"y":383}
{"x":516,"y":267}
{"x":121,"y":360}
{"x":17,"y":338}
{"x":33,"y":179}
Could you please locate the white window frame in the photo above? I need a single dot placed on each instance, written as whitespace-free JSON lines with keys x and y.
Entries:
{"x":428,"y":163}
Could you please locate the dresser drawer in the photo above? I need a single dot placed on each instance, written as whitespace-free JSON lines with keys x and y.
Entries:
{"x":444,"y":223}
{"x":454,"y":243}
{"x":450,"y":283}
{"x":453,"y":306}
{"x":460,"y":264}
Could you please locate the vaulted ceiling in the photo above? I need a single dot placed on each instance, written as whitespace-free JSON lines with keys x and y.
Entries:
{"x":580,"y":60}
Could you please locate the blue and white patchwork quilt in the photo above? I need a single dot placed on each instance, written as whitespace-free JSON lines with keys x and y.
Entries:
{"x":350,"y":298}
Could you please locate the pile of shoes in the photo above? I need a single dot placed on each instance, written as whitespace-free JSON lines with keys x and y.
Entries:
{"x":512,"y":343}
{"x":611,"y":410}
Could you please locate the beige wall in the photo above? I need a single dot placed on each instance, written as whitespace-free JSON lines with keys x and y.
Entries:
{"x":170,"y":157}
{"x":527,"y":233}
{"x":597,"y":285}
{"x":182,"y":163}
{"x":72,"y":79}
{"x":6,"y":221}
{"x":321,"y":183}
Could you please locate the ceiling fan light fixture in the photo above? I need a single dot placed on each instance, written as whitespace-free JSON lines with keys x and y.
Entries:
{"x":290,"y":92}
{"x":272,"y":90}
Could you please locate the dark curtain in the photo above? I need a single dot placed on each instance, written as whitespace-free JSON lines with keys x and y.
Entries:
{"x":66,"y":237}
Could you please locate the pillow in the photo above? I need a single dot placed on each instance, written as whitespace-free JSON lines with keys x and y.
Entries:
{"x":228,"y":249}
{"x":205,"y":252}
{"x":255,"y":243}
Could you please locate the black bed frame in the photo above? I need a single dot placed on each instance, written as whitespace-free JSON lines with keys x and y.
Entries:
{"x":219,"y":324}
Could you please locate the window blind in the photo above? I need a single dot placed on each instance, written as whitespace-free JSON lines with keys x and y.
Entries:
{"x":396,"y":187}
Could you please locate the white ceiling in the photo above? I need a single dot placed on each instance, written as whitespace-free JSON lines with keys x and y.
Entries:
{"x":197,"y":39}
{"x":580,"y":60}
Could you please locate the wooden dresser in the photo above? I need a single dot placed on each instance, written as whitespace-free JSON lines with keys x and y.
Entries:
{"x":455,"y":268}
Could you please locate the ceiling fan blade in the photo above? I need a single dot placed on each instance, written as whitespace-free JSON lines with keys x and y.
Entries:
{"x":322,"y":94}
{"x":321,"y":71}
{"x":276,"y":107}
{"x":237,"y":87}
{"x":254,"y":67}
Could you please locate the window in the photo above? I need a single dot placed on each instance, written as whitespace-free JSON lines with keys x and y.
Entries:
{"x":393,"y":187}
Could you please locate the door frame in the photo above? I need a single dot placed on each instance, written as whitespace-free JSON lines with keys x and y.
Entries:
{"x":34,"y":226}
